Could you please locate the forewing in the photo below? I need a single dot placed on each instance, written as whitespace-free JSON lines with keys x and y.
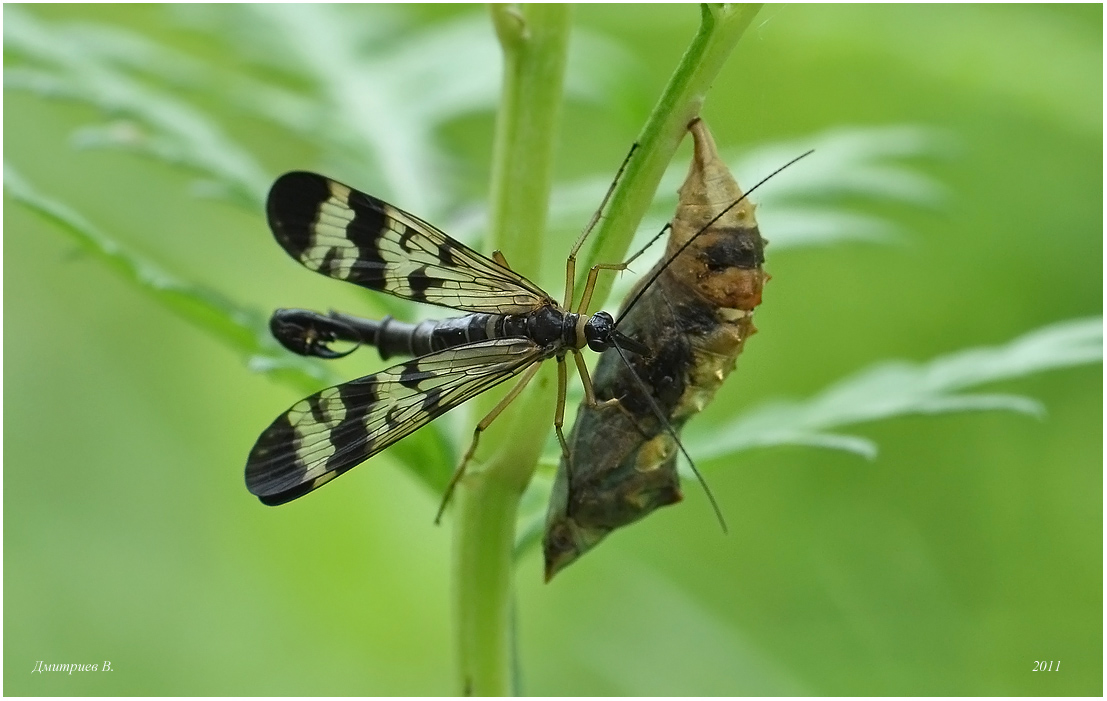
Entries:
{"x":331,"y":431}
{"x":349,"y":235}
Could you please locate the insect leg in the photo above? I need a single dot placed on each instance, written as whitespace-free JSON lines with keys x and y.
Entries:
{"x":484,"y":424}
{"x":590,"y":395}
{"x":586,"y":380}
{"x":651,"y":242}
{"x":559,"y":413}
{"x":590,"y":284}
{"x":603,"y":202}
{"x":571,"y":261}
{"x":498,"y":256}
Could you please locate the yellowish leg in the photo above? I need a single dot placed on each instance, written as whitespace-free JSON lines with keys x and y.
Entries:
{"x":571,"y":261}
{"x":498,"y":256}
{"x":570,"y":274}
{"x":484,"y":424}
{"x":603,"y":203}
{"x":559,"y":412}
{"x":586,"y":380}
{"x":590,"y":394}
{"x":590,"y":284}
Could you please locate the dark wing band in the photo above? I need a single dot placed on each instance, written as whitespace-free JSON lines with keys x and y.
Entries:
{"x":348,"y":235}
{"x":336,"y":429}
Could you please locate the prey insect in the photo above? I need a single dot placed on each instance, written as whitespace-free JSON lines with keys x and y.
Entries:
{"x":512,"y":326}
{"x":695,"y":309}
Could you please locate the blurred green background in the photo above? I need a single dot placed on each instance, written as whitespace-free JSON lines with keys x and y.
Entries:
{"x":969,"y":549}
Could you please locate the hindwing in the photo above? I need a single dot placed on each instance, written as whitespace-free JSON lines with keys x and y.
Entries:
{"x":331,"y":431}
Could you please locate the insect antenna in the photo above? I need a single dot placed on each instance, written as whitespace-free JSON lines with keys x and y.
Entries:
{"x":661,"y":268}
{"x":672,"y":432}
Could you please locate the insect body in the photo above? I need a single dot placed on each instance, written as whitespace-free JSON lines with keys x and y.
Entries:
{"x":694,"y":310}
{"x":512,"y":326}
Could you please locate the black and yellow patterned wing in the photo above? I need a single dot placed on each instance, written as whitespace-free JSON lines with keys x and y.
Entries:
{"x":336,"y":429}
{"x":349,"y":235}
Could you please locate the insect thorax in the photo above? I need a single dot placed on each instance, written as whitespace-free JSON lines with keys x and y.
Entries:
{"x":551,"y":327}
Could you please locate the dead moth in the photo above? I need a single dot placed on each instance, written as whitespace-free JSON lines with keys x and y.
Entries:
{"x":694,"y":311}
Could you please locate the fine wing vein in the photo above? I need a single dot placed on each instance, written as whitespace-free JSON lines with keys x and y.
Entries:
{"x":324,"y":435}
{"x":346,"y":234}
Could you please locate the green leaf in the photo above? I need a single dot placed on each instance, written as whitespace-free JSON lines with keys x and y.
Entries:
{"x":244,"y":330}
{"x":891,"y":389}
{"x":146,"y":120}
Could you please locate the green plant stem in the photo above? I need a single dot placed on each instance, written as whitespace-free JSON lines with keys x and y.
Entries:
{"x":535,"y":40}
{"x":721,"y":26}
{"x":535,"y":43}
